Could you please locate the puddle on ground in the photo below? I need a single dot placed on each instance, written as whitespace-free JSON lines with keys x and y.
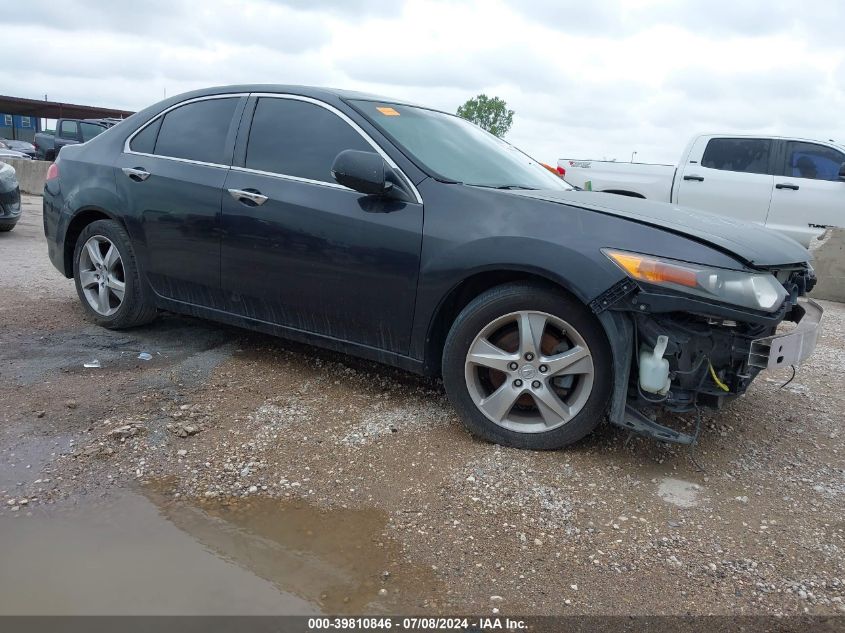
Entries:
{"x":683,"y":494}
{"x":144,"y":553}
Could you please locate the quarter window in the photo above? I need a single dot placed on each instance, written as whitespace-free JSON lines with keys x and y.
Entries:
{"x":808,"y":160}
{"x":197,"y":131}
{"x":145,"y":140}
{"x":297,"y":138}
{"x":748,"y":155}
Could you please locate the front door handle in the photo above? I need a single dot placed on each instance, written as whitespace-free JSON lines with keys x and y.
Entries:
{"x":692,"y":177}
{"x":786,"y":185}
{"x":249,"y":197}
{"x":138,"y":174}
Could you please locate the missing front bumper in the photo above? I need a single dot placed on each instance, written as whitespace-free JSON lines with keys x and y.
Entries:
{"x":792,"y":348}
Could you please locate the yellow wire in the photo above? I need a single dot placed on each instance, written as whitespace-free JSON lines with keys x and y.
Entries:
{"x":718,"y":382}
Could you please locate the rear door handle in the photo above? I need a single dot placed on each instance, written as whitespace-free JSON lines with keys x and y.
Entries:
{"x":698,"y":178}
{"x":138,"y":174}
{"x":249,"y":197}
{"x":786,"y":185}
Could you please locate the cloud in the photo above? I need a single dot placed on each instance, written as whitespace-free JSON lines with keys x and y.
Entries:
{"x":359,"y":10}
{"x":586,"y":79}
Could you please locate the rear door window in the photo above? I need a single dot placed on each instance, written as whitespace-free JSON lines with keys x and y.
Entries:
{"x":298,"y":138}
{"x":748,"y":155}
{"x":809,"y":160}
{"x":197,"y":131}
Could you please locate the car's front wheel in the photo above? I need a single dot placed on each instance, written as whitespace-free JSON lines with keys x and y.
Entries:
{"x":527,"y":366}
{"x":107,"y":277}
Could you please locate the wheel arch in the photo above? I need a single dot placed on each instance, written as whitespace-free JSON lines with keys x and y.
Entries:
{"x":471,"y":286}
{"x":82,"y":218}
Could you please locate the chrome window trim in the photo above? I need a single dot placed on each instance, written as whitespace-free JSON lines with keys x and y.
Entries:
{"x":353,"y":125}
{"x":273,"y":95}
{"x":259,"y":172}
{"x":128,"y":141}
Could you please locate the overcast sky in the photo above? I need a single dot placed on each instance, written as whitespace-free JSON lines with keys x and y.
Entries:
{"x":587,"y":79}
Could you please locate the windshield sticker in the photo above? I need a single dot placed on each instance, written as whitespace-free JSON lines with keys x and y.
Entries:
{"x":388,"y":111}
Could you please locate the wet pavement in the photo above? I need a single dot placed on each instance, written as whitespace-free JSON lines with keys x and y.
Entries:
{"x":140,"y":551}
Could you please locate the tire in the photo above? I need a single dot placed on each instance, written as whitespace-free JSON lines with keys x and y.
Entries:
{"x":6,"y":229}
{"x":136,"y":306}
{"x":553,"y":409}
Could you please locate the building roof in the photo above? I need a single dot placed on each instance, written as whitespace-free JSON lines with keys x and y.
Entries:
{"x":56,"y":109}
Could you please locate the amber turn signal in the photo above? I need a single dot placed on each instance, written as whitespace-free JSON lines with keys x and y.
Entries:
{"x":653,"y":270}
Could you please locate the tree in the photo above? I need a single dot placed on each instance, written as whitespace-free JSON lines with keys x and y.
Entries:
{"x":492,"y":114}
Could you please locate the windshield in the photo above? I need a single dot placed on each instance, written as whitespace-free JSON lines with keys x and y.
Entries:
{"x":454,"y":149}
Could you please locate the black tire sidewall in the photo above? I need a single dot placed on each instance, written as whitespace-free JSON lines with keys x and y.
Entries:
{"x":513,"y":298}
{"x":132,"y":294}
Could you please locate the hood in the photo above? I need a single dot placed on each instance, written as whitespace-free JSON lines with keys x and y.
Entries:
{"x":750,"y":243}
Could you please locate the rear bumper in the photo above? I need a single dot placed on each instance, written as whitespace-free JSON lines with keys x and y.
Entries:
{"x":54,"y":232}
{"x":791,"y":348}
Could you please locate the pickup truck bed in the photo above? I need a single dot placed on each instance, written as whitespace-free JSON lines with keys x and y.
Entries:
{"x":639,"y":180}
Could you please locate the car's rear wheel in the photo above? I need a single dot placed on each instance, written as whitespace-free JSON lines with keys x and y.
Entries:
{"x":527,"y":366}
{"x":107,"y":279}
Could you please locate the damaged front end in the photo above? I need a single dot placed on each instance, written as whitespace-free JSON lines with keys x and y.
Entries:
{"x":679,"y":348}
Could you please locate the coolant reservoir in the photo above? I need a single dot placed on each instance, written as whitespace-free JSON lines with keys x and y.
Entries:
{"x":654,"y":369}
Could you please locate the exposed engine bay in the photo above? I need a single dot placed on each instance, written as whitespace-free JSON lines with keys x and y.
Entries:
{"x":685,"y":353}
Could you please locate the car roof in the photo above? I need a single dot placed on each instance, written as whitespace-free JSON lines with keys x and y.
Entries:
{"x":315,"y":92}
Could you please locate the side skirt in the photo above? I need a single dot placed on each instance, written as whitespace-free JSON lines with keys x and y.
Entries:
{"x":310,"y":338}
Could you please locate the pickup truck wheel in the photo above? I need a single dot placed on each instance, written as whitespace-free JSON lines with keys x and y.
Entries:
{"x":528,"y":367}
{"x":107,"y":278}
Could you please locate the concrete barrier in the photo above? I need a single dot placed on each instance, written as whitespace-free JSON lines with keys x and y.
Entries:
{"x":829,"y":262}
{"x":31,"y":173}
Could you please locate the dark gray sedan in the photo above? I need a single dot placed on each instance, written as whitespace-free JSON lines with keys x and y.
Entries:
{"x":410,"y":236}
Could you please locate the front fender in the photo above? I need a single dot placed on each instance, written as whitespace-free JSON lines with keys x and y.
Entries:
{"x":444,"y":272}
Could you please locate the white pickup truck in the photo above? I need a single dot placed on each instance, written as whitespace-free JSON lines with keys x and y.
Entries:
{"x":795,"y":186}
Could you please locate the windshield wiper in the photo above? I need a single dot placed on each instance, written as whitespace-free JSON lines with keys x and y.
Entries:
{"x":506,"y":187}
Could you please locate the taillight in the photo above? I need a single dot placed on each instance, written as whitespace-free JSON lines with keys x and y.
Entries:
{"x":561,"y":171}
{"x":53,"y":171}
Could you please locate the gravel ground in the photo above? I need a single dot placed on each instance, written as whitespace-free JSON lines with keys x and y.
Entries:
{"x":615,"y":525}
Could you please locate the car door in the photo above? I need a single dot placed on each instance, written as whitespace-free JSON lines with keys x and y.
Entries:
{"x":301,"y":251}
{"x":171,"y":177}
{"x":728,"y":176}
{"x":809,"y":195}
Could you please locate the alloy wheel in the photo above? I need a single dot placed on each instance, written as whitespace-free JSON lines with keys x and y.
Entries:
{"x":529,"y":371}
{"x":101,"y":275}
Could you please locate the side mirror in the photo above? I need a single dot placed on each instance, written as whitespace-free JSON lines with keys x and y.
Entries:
{"x":842,"y":171}
{"x":364,"y":172}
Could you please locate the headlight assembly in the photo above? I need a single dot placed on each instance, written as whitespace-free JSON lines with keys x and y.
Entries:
{"x":759,"y":291}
